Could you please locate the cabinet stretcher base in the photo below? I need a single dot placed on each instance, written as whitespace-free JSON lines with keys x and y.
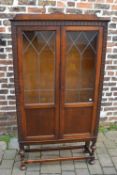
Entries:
{"x":88,"y":148}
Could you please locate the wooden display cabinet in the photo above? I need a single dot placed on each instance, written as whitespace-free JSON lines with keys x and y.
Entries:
{"x":58,"y":69}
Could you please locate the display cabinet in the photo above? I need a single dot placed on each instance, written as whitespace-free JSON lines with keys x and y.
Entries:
{"x":58,"y":69}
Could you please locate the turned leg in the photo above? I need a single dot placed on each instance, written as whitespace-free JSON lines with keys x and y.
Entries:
{"x":92,"y":151}
{"x":22,"y":155}
{"x":86,"y":147}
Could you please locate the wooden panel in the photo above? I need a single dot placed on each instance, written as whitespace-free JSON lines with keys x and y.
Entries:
{"x":71,"y":17}
{"x":77,"y":120}
{"x":40,"y":122}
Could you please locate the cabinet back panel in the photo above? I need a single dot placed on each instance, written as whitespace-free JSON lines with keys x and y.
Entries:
{"x":77,"y":120}
{"x":40,"y":122}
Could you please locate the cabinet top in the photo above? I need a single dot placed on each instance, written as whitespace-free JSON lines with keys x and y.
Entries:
{"x":57,"y":16}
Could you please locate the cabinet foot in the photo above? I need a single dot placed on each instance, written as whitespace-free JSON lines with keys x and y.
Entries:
{"x":22,"y":155}
{"x":92,"y":153}
{"x":22,"y":167}
{"x":91,"y":161}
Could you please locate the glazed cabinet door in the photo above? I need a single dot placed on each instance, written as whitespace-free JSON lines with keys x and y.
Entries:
{"x":81,"y":60}
{"x":38,"y":66}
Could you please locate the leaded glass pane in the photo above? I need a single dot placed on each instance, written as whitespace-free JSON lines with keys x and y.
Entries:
{"x":38,"y":66}
{"x":80,"y":66}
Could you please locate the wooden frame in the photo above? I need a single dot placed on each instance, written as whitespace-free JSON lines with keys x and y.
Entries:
{"x":98,"y":66}
{"x":69,"y":23}
{"x":29,"y":106}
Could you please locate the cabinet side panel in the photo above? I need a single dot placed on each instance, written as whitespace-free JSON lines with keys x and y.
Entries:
{"x":16,"y":80}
